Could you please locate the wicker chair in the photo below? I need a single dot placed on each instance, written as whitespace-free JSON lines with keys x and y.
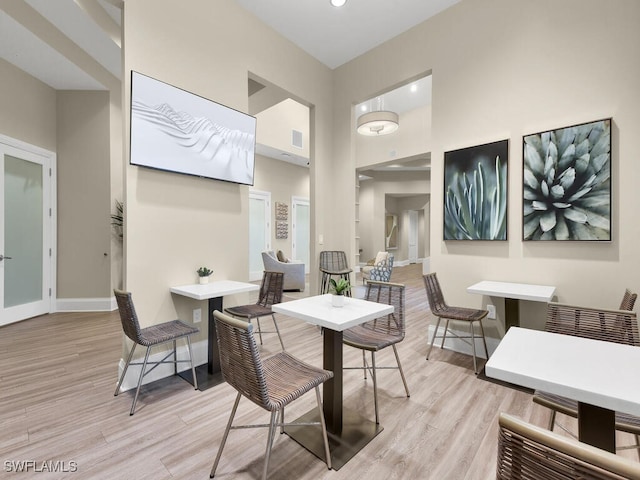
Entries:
{"x":150,"y":337}
{"x":270,"y":293}
{"x":381,"y":333}
{"x":527,"y":452}
{"x":441,"y":310}
{"x":618,"y":326}
{"x":272,"y":383}
{"x":333,"y":263}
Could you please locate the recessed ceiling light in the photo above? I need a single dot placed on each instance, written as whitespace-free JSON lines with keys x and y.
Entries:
{"x":414,"y":88}
{"x":338,"y":3}
{"x":363,"y":108}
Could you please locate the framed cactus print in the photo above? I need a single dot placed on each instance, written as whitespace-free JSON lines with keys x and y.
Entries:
{"x":475,"y":192}
{"x":567,"y":183}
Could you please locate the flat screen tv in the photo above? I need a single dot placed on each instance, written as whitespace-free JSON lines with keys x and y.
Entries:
{"x":178,"y":131}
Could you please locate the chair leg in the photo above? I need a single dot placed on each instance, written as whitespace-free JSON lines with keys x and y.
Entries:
{"x":324,"y":429}
{"x":193,"y":369}
{"x":364,"y":364}
{"x":638,"y":445}
{"x":473,"y":347}
{"x":272,"y":431}
{"x":277,"y":330}
{"x":444,"y":335}
{"x":433,"y":339}
{"x":144,"y":367}
{"x":552,"y":420}
{"x":175,"y":358}
{"x":225,"y":435}
{"x":124,"y":371}
{"x":404,"y":380}
{"x":484,"y":340}
{"x":375,"y":385}
{"x":259,"y":329}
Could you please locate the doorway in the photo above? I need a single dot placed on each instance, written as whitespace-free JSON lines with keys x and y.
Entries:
{"x":300,"y":229}
{"x":27,"y":231}
{"x":259,"y":231}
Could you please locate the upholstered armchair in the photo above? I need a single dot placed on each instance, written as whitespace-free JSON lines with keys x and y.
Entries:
{"x":293,"y":270}
{"x":381,"y":269}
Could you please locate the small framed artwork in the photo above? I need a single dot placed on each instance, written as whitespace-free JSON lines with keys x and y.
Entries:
{"x":567,"y":183}
{"x":282,"y":211}
{"x":475,"y":192}
{"x":282,"y":229}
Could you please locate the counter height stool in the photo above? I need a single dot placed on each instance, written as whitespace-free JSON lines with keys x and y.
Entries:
{"x":271,"y":290}
{"x":441,"y":310}
{"x":150,"y":337}
{"x":333,"y":262}
{"x":272,"y":383}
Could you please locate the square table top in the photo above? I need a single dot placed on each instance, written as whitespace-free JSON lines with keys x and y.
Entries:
{"x":599,"y":373}
{"x":219,"y":288}
{"x":520,"y":291}
{"x":318,"y":310}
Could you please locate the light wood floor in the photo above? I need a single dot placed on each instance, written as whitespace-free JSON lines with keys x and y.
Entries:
{"x":56,"y":404}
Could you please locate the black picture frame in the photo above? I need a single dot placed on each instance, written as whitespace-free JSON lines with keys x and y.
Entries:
{"x":566,"y":182}
{"x":476,"y":192}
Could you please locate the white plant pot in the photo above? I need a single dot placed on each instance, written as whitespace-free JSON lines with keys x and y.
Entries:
{"x":204,"y":280}
{"x":337,"y":300}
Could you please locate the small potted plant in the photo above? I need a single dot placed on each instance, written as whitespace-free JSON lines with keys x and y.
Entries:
{"x":203,"y":273}
{"x":339,"y":288}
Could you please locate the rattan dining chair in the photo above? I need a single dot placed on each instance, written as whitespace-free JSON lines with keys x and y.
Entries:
{"x":150,"y":337}
{"x":272,"y":383}
{"x":528,"y":452}
{"x":270,"y":294}
{"x":333,"y":263}
{"x":380,"y":333}
{"x":441,"y":310}
{"x":618,"y":326}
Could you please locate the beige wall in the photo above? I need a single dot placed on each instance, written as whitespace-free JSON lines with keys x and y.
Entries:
{"x":84,"y":192}
{"x":502,"y":69}
{"x":275,"y":126}
{"x":174,"y":222}
{"x":27,"y":108}
{"x":283,"y":180}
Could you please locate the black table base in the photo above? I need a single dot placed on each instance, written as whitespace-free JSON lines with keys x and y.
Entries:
{"x":356,"y":433}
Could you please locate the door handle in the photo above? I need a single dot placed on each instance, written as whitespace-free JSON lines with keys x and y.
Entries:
{"x":2,"y":257}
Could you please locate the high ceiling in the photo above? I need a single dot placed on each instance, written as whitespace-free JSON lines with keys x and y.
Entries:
{"x":74,"y":44}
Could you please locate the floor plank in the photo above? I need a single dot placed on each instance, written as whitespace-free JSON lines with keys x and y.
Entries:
{"x":57,"y":404}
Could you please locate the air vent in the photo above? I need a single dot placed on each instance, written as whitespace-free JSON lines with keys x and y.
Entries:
{"x":296,"y":138}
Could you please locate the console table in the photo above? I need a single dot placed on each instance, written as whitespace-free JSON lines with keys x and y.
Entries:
{"x":209,"y":374}
{"x":512,"y":294}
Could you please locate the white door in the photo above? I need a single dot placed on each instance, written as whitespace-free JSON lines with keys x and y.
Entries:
{"x":259,"y":231}
{"x":26,"y":232}
{"x":300,"y":230}
{"x":413,"y":236}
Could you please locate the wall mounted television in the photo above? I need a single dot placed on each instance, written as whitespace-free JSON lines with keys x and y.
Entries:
{"x":179,"y":131}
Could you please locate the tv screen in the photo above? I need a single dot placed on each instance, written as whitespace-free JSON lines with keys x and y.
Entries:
{"x":178,"y":131}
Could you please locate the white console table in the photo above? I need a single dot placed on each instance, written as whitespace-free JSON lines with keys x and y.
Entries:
{"x":512,"y":294}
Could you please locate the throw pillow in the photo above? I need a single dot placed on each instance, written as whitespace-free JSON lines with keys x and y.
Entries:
{"x":281,"y":257}
{"x":381,"y":257}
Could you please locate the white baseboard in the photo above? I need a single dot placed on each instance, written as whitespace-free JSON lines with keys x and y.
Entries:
{"x":86,"y":304}
{"x":459,"y":345}
{"x":200,"y":355}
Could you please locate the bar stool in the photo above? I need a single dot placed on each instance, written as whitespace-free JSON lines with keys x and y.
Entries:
{"x":333,"y":262}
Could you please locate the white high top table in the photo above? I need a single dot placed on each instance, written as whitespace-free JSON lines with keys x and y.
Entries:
{"x":209,"y":374}
{"x":601,"y":376}
{"x":348,"y":431}
{"x":512,"y":294}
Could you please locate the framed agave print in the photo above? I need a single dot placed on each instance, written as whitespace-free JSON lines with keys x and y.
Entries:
{"x":567,"y":183}
{"x":475,"y":192}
